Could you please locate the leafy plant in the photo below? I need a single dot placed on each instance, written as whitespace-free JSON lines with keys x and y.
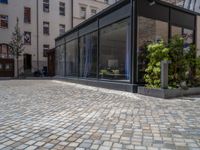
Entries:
{"x":184,"y":69}
{"x":156,"y":53}
{"x":178,"y":67}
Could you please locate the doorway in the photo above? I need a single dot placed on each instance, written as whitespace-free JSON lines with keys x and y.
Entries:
{"x":27,"y":62}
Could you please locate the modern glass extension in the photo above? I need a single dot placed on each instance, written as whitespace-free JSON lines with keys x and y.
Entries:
{"x":110,"y":48}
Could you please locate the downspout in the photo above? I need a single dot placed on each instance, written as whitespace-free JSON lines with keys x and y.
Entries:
{"x":72,"y":14}
{"x":37,"y":22}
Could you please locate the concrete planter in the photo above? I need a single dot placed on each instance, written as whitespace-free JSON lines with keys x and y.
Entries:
{"x":168,"y":93}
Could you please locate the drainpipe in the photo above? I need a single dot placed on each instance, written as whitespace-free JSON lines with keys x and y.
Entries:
{"x":37,"y":22}
{"x":72,"y":13}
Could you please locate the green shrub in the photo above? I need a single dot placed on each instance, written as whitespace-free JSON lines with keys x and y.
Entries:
{"x":178,"y":66}
{"x":156,"y":53}
{"x":184,"y":67}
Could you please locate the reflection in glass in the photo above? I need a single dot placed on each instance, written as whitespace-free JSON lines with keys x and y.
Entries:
{"x":187,"y":34}
{"x":149,"y":30}
{"x":88,"y":55}
{"x":72,"y":58}
{"x":114,"y":52}
{"x":60,"y":60}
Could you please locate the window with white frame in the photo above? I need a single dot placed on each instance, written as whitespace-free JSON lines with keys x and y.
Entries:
{"x":62,"y":8}
{"x":93,"y":11}
{"x":3,"y":21}
{"x":27,"y":15}
{"x":46,"y":28}
{"x":45,"y":49}
{"x":106,"y":1}
{"x":27,"y":37}
{"x":83,"y":12}
{"x":62,"y":29}
{"x":46,"y":5}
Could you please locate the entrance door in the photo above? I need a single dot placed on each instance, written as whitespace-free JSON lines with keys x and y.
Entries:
{"x":51,"y":63}
{"x":27,"y":62}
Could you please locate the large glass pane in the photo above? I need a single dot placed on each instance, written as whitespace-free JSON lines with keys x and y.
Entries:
{"x":187,"y":34}
{"x":114,"y":52}
{"x":72,"y":58}
{"x":60,"y":60}
{"x":88,"y":55}
{"x":149,"y":30}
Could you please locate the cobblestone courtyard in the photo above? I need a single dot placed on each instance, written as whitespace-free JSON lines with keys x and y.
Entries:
{"x":44,"y":114}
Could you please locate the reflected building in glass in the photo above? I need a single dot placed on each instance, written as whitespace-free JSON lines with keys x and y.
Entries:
{"x":109,"y":49}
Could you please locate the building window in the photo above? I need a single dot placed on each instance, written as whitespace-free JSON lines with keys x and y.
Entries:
{"x":62,"y":29}
{"x":46,"y":5}
{"x":83,"y":12}
{"x":88,"y":55}
{"x":3,"y":21}
{"x":114,"y":60}
{"x":27,"y":15}
{"x":46,"y":28}
{"x":62,"y":8}
{"x":93,"y":12}
{"x":45,"y":49}
{"x":5,"y":51}
{"x":4,"y":1}
{"x":27,"y":37}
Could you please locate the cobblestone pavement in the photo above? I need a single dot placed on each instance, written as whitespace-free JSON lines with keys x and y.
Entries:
{"x":47,"y":114}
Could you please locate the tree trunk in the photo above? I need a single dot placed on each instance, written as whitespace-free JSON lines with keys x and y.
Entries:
{"x":17,"y":67}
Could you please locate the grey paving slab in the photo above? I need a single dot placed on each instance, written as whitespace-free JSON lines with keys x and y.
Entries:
{"x":50,"y":114}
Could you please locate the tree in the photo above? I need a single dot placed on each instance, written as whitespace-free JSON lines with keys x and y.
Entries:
{"x":16,"y":44}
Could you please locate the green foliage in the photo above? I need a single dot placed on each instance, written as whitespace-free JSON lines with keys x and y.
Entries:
{"x":178,"y":67}
{"x":184,"y":67}
{"x":156,"y":53}
{"x":16,"y":43}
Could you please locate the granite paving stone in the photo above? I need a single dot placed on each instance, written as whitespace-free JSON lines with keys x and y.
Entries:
{"x":58,"y":115}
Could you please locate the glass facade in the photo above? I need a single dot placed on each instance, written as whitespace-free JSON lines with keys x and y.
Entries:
{"x":72,"y":58}
{"x":60,"y":60}
{"x":88,"y":55}
{"x":114,"y":52}
{"x":112,"y":47}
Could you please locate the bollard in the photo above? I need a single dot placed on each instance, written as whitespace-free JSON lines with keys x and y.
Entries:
{"x":164,"y":73}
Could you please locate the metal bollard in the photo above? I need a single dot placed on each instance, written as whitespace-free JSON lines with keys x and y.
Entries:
{"x":164,"y":73}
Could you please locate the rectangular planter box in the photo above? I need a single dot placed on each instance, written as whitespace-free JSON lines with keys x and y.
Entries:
{"x":168,"y":93}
